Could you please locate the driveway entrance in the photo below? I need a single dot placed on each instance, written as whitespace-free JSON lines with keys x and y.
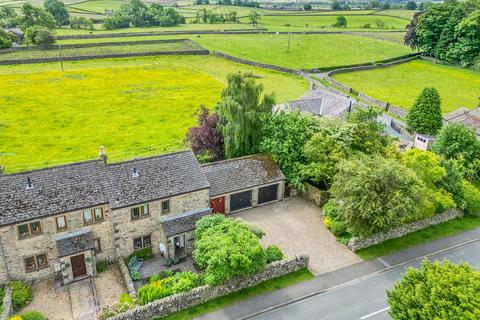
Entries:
{"x":296,"y":226}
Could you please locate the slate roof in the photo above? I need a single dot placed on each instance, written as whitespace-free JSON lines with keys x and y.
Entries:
{"x":74,"y":242}
{"x":241,"y":173}
{"x":55,"y":190}
{"x":87,"y":184}
{"x":182,"y":222}
{"x":158,"y":177}
{"x":467,"y":117}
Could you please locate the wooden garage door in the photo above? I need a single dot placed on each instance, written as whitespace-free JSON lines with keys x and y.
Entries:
{"x":267,"y":194}
{"x":240,"y":200}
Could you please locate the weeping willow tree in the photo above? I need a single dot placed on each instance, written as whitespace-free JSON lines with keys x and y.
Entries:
{"x":240,"y":114}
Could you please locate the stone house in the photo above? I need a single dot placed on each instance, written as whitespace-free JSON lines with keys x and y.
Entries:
{"x":59,"y":221}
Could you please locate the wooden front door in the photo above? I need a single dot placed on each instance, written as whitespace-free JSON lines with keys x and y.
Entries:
{"x":218,"y":205}
{"x":79,"y":268}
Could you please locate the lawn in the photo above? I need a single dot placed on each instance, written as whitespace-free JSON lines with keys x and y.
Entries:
{"x":323,"y":22}
{"x":306,"y":51}
{"x":262,"y":288}
{"x":93,"y":51}
{"x":401,"y":84}
{"x":98,"y":6}
{"x":439,"y":231}
{"x":133,"y":106}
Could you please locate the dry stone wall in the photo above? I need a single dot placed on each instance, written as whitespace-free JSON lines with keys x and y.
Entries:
{"x":7,"y":303}
{"x":317,"y":196}
{"x":360,"y":243}
{"x":126,"y":278}
{"x":202,"y":294}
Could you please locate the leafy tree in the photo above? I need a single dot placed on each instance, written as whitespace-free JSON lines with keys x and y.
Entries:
{"x":6,"y":40}
{"x":425,"y":116}
{"x":374,"y":4}
{"x":410,"y":36}
{"x":369,"y":137}
{"x":452,"y":182}
{"x":411,"y":5}
{"x":471,"y":194}
{"x":35,"y":16}
{"x":336,"y":5}
{"x":455,"y":141}
{"x":40,"y":36}
{"x":284,"y":136}
{"x":438,"y":290}
{"x":227,"y":249}
{"x":205,"y":137}
{"x":426,"y":164}
{"x":341,"y":22}
{"x":307,"y":7}
{"x":240,"y":113}
{"x":58,"y":10}
{"x":254,"y":17}
{"x":373,"y":194}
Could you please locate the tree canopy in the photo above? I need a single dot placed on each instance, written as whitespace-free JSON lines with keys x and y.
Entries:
{"x":438,"y":290}
{"x":425,"y":116}
{"x":58,"y":10}
{"x":455,"y":141}
{"x":241,"y":111}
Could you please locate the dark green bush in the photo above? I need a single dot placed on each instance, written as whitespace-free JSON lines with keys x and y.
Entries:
{"x":142,"y":254}
{"x":101,"y":265}
{"x":21,"y":294}
{"x":338,"y":228}
{"x":273,"y":253}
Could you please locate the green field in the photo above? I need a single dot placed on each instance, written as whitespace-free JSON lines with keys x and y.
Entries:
{"x":406,"y":14}
{"x":93,"y":51}
{"x":306,"y":51}
{"x":132,"y":106}
{"x":401,"y":84}
{"x":98,"y":6}
{"x":318,"y":22}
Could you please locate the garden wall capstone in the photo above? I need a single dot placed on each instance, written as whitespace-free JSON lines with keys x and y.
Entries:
{"x":356,"y":244}
{"x":196,"y":296}
{"x":7,"y":303}
{"x":105,"y":56}
{"x":317,"y":196}
{"x":126,"y":278}
{"x":255,"y":64}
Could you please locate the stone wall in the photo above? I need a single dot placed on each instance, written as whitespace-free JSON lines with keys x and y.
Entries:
{"x":15,"y":249}
{"x":255,"y":64}
{"x":360,"y":243}
{"x":7,"y":303}
{"x":104,"y":56}
{"x":127,"y":229}
{"x":202,"y":294}
{"x":126,"y":278}
{"x":317,"y":196}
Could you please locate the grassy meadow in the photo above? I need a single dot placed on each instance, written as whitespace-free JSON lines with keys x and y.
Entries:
{"x":401,"y":84}
{"x":134,"y":107}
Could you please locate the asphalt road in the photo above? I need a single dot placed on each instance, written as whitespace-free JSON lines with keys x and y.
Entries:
{"x":365,"y":298}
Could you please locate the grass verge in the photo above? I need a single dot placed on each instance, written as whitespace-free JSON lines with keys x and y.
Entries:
{"x":439,"y":231}
{"x":264,"y":287}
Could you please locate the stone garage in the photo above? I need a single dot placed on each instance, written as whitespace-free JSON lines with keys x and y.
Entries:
{"x":243,"y":183}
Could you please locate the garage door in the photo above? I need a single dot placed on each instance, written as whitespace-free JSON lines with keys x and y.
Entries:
{"x":240,"y":200}
{"x":267,"y":194}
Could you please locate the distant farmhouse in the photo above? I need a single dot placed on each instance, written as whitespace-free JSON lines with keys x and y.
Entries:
{"x":319,"y":102}
{"x":17,"y":33}
{"x":59,"y":221}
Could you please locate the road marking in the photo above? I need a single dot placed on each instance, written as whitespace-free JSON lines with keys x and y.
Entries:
{"x":374,"y":313}
{"x":385,"y":263}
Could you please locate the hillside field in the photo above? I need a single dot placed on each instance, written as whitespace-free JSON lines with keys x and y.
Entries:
{"x":401,"y":84}
{"x":133,"y":107}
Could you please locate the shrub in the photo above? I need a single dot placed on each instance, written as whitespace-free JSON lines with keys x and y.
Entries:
{"x":438,"y":290}
{"x":273,"y":253}
{"x":135,"y":275}
{"x":142,"y":254}
{"x":328,"y":210}
{"x":32,"y":315}
{"x":338,"y":228}
{"x":228,"y":249}
{"x":456,"y":141}
{"x":101,"y":265}
{"x":116,"y":309}
{"x":40,"y":36}
{"x":21,"y":294}
{"x":206,"y":223}
{"x":126,"y":298}
{"x":471,"y":195}
{"x":367,"y":25}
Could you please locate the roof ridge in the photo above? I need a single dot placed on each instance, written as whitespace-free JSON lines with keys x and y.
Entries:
{"x":149,"y":157}
{"x":63,"y":165}
{"x":235,"y":159}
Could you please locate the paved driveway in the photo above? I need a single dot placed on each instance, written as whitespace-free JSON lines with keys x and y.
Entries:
{"x":296,"y":226}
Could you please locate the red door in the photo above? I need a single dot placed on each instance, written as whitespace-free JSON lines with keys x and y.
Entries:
{"x":218,"y":205}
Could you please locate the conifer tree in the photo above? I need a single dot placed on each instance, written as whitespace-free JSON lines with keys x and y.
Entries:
{"x":425,"y":116}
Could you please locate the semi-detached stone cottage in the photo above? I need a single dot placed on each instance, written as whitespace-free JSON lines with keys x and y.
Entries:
{"x":59,"y":221}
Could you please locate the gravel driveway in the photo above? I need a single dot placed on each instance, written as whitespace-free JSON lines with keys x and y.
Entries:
{"x":296,"y":226}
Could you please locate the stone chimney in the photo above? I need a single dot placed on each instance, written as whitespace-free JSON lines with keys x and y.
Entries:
{"x":102,"y":155}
